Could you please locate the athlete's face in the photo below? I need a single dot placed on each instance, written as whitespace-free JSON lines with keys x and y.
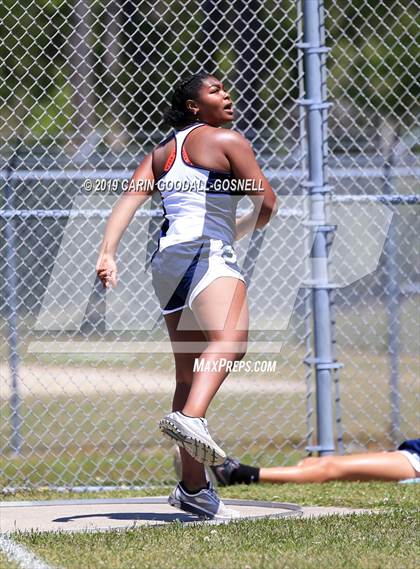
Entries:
{"x":213,"y":104}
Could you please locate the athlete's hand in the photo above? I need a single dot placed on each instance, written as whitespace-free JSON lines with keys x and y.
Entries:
{"x":106,"y":269}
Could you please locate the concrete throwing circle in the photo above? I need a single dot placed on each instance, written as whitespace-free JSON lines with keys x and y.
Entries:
{"x":108,"y":514}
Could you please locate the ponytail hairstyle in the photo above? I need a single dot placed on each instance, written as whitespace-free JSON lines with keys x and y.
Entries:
{"x":177,"y":114}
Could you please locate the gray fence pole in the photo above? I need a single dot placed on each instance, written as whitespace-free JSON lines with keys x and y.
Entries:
{"x":314,"y":51}
{"x":392,"y":291}
{"x":11,"y":283}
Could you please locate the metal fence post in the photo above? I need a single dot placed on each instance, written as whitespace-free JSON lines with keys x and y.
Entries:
{"x":314,"y":51}
{"x":11,"y":282}
{"x":392,"y":290}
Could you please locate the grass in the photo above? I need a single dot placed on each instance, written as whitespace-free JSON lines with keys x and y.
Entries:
{"x":5,"y":564}
{"x":387,"y":539}
{"x":382,"y":495}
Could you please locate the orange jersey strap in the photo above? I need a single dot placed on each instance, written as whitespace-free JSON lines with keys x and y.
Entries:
{"x":170,"y":160}
{"x":185,"y":157}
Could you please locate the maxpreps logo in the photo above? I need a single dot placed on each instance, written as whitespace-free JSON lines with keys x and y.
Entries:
{"x":223,"y":364}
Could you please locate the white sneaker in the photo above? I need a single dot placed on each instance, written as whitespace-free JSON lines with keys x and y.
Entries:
{"x":205,"y":503}
{"x":192,"y":434}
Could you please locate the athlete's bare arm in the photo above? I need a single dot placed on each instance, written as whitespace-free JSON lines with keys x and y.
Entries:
{"x":121,"y":215}
{"x":244,"y":166}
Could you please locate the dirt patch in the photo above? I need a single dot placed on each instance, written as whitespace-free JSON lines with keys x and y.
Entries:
{"x":53,"y":380}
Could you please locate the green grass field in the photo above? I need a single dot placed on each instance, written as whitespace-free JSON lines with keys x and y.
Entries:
{"x":385,"y":539}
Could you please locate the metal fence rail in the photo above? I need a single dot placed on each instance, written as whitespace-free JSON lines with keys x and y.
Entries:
{"x":85,"y":375}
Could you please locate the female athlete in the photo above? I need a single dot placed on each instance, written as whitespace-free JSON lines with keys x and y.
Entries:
{"x":390,"y":466}
{"x":199,"y":285}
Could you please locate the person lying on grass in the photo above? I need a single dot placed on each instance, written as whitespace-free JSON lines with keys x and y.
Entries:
{"x":400,"y":464}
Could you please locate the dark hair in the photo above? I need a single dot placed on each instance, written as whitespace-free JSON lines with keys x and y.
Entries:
{"x":178,"y":114}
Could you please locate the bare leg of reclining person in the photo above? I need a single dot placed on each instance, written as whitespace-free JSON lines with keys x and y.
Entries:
{"x":388,"y":466}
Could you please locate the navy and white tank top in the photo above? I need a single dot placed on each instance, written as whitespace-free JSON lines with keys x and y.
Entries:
{"x":196,"y":202}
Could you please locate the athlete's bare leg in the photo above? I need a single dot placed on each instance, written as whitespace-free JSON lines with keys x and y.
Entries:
{"x":388,"y":466}
{"x":307,"y":460}
{"x":193,"y":474}
{"x":221,"y":310}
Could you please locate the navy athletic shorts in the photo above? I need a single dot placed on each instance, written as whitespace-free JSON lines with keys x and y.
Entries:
{"x":181,"y":271}
{"x":411,"y":450}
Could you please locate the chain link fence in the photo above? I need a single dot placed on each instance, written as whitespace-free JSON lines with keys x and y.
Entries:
{"x":372,"y":129}
{"x":87,"y":375}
